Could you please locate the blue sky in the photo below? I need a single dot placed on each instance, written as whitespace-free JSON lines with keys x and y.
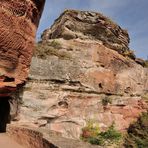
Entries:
{"x":129,"y":14}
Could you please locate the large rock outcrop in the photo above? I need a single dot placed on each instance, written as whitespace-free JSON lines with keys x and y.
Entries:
{"x":19,"y":20}
{"x":79,"y":73}
{"x":89,"y":25}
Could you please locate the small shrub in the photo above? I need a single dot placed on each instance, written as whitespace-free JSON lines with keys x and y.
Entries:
{"x":91,"y":133}
{"x":96,"y":140}
{"x":106,"y":100}
{"x":129,"y":53}
{"x":91,"y":130}
{"x":111,"y":134}
{"x":137,"y":135}
{"x":55,"y":44}
{"x":146,"y":63}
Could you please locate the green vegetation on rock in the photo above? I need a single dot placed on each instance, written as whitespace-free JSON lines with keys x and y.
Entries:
{"x":137,"y":136}
{"x":45,"y":49}
{"x":92,"y":134}
{"x":106,"y":100}
{"x":146,"y":63}
{"x":145,"y":97}
{"x":55,"y":44}
{"x":129,"y":53}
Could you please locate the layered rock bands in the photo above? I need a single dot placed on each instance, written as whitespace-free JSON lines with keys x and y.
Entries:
{"x":83,"y":70}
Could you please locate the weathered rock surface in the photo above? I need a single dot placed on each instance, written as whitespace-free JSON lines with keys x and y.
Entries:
{"x":7,"y":142}
{"x":18,"y":23}
{"x":35,"y":138}
{"x":89,"y":25}
{"x":76,"y":76}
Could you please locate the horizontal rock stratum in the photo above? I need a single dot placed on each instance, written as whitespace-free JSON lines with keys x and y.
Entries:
{"x":82,"y":70}
{"x":88,"y":39}
{"x":19,"y":20}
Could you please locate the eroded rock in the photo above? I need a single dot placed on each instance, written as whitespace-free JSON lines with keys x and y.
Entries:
{"x":18,"y":25}
{"x":77,"y":76}
{"x":89,"y":25}
{"x":35,"y":138}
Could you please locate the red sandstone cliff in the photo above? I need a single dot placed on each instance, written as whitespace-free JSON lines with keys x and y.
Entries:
{"x":19,"y":20}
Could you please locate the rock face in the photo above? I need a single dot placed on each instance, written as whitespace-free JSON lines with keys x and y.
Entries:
{"x":89,"y":25}
{"x":18,"y":24}
{"x":37,"y":138}
{"x":79,"y":73}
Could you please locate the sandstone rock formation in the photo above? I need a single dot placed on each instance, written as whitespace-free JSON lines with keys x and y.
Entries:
{"x":81,"y":71}
{"x":39,"y":138}
{"x":19,"y":20}
{"x":89,"y":25}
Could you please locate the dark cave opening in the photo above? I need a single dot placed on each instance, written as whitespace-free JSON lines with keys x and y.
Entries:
{"x":4,"y":113}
